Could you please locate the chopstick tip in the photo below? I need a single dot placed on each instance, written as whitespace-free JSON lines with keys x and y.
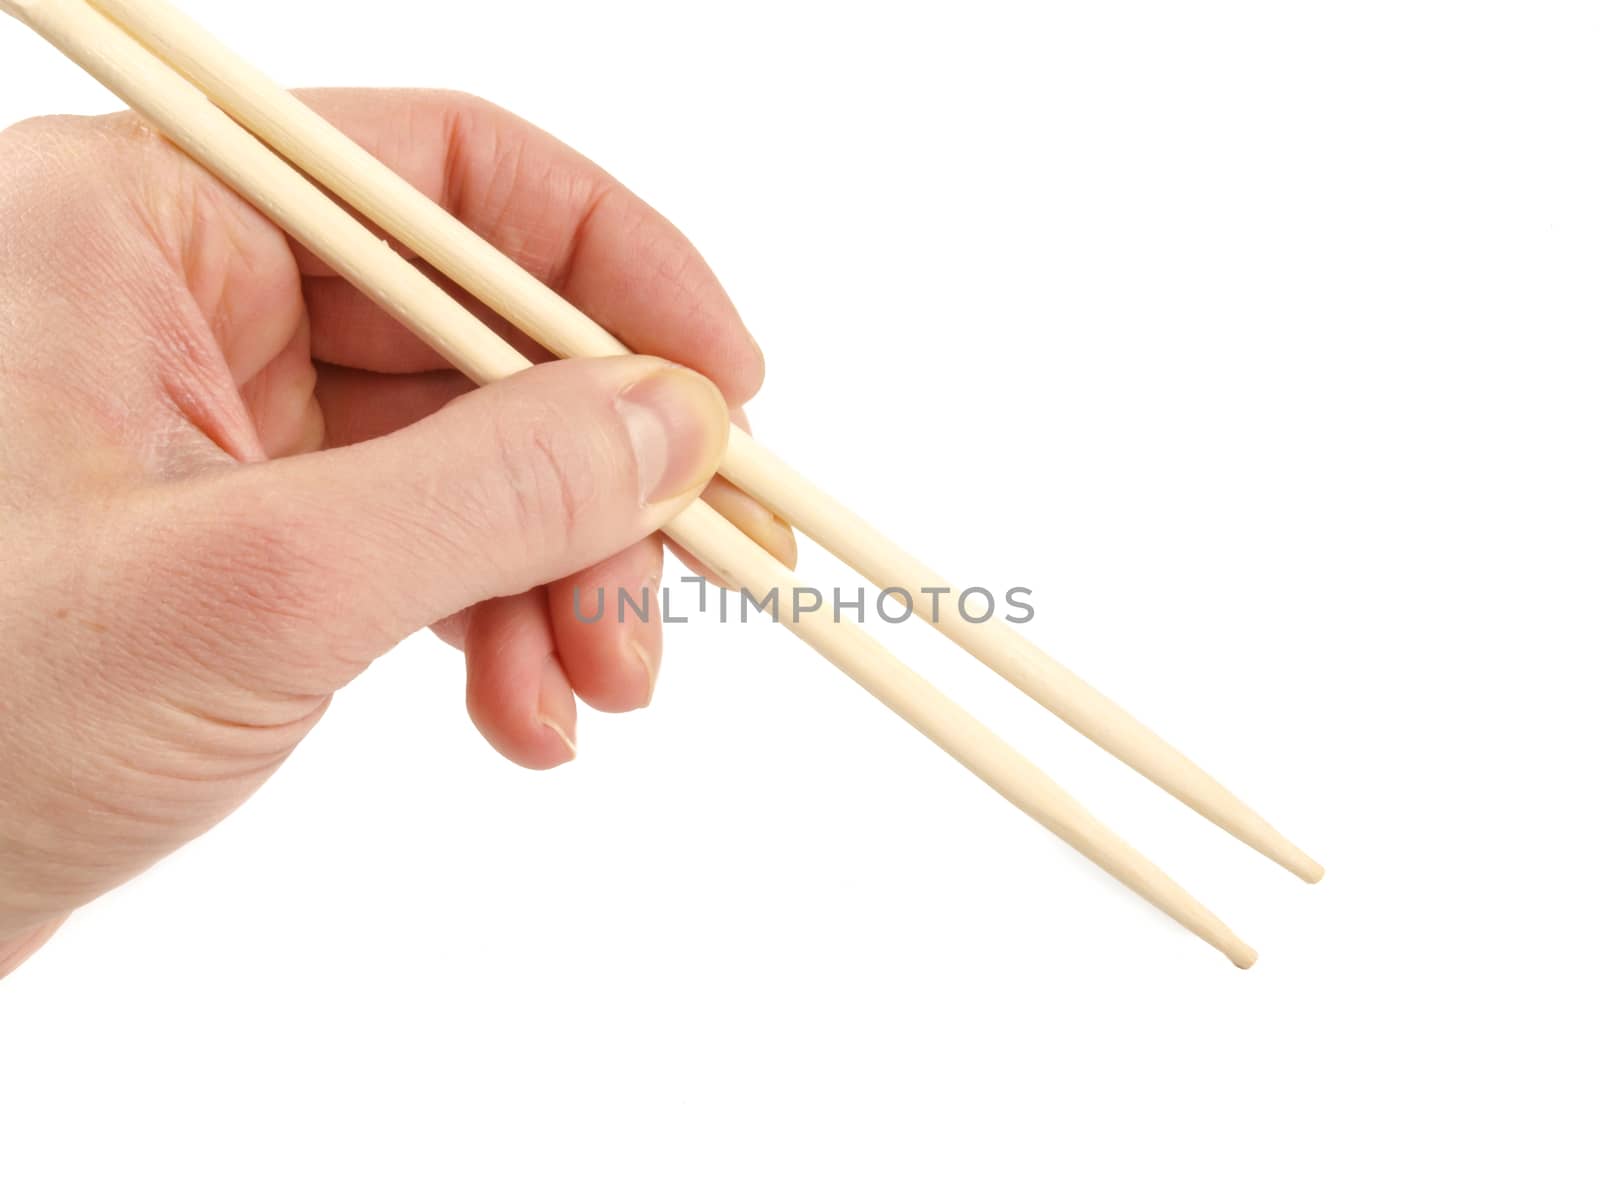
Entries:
{"x":1288,"y":856}
{"x":1237,"y":950}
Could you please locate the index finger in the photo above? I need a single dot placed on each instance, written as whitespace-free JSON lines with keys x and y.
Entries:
{"x":553,"y":211}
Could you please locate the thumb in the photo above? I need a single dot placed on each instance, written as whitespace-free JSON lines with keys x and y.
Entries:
{"x":336,"y":556}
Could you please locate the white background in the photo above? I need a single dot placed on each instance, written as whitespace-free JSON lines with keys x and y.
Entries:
{"x":1258,"y":339}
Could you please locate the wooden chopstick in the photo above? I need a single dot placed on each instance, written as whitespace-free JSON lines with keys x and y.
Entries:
{"x":184,"y":114}
{"x":362,"y":181}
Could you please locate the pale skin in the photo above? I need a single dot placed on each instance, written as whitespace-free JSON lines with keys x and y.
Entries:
{"x":228,"y":482}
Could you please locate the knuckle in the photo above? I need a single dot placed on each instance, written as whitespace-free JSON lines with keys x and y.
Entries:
{"x":44,"y":163}
{"x":465,"y":103}
{"x":34,"y":131}
{"x":71,"y":148}
{"x":70,"y":174}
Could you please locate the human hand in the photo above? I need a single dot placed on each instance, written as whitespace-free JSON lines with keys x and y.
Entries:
{"x":228,"y":481}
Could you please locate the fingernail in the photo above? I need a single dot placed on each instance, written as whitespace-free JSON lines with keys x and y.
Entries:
{"x":553,"y":682}
{"x":650,"y":671}
{"x":555,"y":728}
{"x":648,"y":588}
{"x":754,"y":520}
{"x":678,"y":426}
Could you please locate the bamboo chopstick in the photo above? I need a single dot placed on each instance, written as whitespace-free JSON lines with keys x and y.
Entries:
{"x":351,"y":173}
{"x":186,"y":116}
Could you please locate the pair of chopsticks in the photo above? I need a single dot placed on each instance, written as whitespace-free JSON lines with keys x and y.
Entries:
{"x":215,"y":106}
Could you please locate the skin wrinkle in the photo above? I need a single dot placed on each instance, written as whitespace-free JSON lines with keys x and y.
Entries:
{"x":549,"y":489}
{"x":475,"y":133}
{"x":42,"y":827}
{"x":498,"y":193}
{"x":282,"y":399}
{"x":560,"y":272}
{"x":273,"y":583}
{"x":214,"y":253}
{"x":84,"y":186}
{"x":202,"y":645}
{"x":212,"y":242}
{"x":220,"y":255}
{"x":159,"y":740}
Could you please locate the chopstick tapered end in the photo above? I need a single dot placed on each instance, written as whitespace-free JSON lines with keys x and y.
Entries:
{"x":1239,"y":954}
{"x":1220,"y":937}
{"x":1260,"y":836}
{"x":1292,"y":859}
